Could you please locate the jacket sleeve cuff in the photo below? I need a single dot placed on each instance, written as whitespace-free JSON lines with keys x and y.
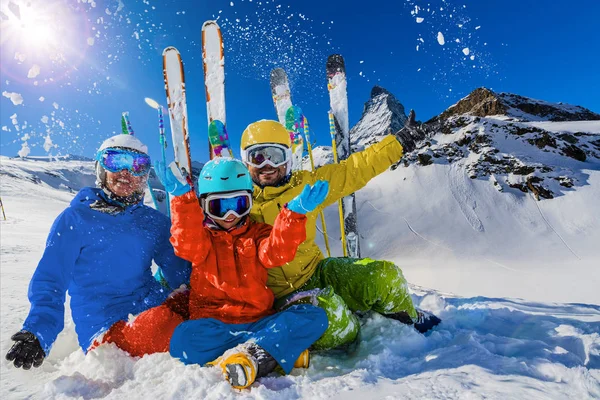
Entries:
{"x":290,"y":215}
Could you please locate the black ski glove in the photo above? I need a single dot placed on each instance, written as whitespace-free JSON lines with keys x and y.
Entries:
{"x":27,"y":350}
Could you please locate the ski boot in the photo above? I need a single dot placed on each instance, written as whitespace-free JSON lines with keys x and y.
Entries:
{"x":245,"y":363}
{"x":303,"y":360}
{"x":424,"y":322}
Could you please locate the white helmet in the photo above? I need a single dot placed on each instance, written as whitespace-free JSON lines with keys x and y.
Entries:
{"x":124,"y":141}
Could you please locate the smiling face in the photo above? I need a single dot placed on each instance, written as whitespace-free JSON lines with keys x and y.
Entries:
{"x":124,"y":184}
{"x":267,"y":175}
{"x":228,"y":222}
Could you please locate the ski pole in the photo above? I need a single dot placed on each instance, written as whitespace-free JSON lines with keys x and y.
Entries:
{"x":127,"y":129}
{"x":163,"y":148}
{"x":312,"y":168}
{"x":163,"y":142}
{"x":2,"y":206}
{"x":332,"y":131}
{"x":153,"y":196}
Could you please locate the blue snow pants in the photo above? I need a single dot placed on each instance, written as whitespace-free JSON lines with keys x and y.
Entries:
{"x":283,"y":335}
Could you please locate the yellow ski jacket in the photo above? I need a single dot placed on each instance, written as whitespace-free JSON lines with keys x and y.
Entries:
{"x":344,"y":178}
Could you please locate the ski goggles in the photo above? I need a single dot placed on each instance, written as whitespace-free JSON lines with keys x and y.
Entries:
{"x":115,"y":160}
{"x":271,"y":154}
{"x":222,"y":205}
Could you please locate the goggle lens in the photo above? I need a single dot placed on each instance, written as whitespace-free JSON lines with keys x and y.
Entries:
{"x":115,"y":160}
{"x":259,"y":155}
{"x":219,"y":207}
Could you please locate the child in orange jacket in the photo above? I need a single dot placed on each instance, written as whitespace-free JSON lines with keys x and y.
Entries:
{"x":232,"y":323}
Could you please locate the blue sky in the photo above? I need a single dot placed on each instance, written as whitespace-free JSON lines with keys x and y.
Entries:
{"x":89,"y":61}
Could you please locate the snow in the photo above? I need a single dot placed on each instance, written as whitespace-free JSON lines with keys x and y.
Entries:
{"x":466,"y":51}
{"x":440,"y":38}
{"x":34,"y":71}
{"x":570,"y":126}
{"x":20,"y":57}
{"x":177,"y":104}
{"x":420,"y":19}
{"x":25,"y":150}
{"x":48,"y":144}
{"x":214,"y":71}
{"x":16,"y":98}
{"x":513,"y":279}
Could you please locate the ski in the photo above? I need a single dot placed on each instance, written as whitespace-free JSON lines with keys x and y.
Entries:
{"x":282,"y":100}
{"x":338,"y":99}
{"x":280,"y":90}
{"x":219,"y":139}
{"x":294,"y":123}
{"x":214,"y":83}
{"x":176,"y":101}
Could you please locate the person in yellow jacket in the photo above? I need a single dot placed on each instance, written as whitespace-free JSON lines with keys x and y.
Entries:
{"x":341,"y":286}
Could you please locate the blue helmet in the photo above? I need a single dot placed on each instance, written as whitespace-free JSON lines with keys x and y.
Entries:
{"x":224,"y":175}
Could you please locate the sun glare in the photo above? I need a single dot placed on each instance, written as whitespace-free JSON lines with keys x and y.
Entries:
{"x":42,"y":30}
{"x":38,"y":31}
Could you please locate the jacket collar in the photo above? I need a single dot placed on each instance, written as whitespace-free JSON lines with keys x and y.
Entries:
{"x":272,"y":192}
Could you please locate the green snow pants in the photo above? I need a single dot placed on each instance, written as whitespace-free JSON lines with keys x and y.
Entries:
{"x":342,"y":286}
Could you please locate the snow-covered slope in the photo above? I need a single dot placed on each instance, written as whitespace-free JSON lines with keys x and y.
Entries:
{"x":471,"y":249}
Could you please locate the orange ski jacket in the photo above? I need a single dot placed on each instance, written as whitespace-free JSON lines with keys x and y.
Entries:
{"x":229,"y":276}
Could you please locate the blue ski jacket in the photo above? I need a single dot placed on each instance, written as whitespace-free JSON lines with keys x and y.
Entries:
{"x":104,"y":261}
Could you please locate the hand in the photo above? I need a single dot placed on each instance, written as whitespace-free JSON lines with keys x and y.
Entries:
{"x":310,"y":198}
{"x":27,"y":350}
{"x":171,"y":178}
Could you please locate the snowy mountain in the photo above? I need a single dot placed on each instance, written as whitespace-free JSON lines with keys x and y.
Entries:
{"x":514,"y":279}
{"x":483,"y":102}
{"x":382,"y":114}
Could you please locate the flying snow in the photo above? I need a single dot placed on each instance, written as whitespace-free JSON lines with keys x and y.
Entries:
{"x":34,"y":71}
{"x":16,"y":98}
{"x":270,"y":36}
{"x":440,"y":38}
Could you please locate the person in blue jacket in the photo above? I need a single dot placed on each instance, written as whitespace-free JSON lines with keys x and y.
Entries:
{"x":100,"y":249}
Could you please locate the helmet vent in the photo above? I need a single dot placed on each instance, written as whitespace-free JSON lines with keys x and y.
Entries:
{"x":224,"y":178}
{"x":240,"y":175}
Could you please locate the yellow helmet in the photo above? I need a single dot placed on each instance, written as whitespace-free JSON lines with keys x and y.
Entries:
{"x":265,"y":131}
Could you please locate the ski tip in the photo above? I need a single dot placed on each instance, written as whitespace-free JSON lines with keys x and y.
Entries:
{"x":209,"y":23}
{"x":335,"y":63}
{"x":294,"y":110}
{"x":217,"y":124}
{"x":278,"y":72}
{"x":169,"y":50}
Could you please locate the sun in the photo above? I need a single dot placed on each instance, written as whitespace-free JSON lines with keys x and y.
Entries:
{"x":39,"y":30}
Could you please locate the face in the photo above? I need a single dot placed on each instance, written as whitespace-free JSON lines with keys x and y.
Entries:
{"x":267,"y":175}
{"x":229,"y":222}
{"x":125,"y":184}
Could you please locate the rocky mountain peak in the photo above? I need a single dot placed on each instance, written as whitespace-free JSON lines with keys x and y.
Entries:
{"x":483,"y":102}
{"x":382,"y":114}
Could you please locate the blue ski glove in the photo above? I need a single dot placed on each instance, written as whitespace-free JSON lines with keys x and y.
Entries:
{"x":310,"y":198}
{"x":171,"y":178}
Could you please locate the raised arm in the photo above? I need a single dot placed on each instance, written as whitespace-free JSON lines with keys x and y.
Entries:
{"x":289,"y":229}
{"x":189,"y":238}
{"x":277,"y":245}
{"x":354,"y":173}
